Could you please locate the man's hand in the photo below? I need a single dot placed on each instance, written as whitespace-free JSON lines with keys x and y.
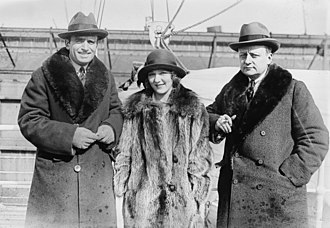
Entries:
{"x":83,"y":138}
{"x":105,"y":134}
{"x":224,"y":123}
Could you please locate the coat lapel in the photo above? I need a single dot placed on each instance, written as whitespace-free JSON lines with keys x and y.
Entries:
{"x":270,"y":92}
{"x":78,"y":101}
{"x":183,"y":102}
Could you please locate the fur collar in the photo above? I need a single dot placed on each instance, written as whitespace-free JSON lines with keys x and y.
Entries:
{"x":183,"y":102}
{"x":78,"y":101}
{"x":270,"y":92}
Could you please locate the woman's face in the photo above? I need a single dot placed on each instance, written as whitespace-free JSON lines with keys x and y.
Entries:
{"x":161,"y":81}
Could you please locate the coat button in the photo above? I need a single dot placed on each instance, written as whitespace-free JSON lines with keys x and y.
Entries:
{"x":172,"y":187}
{"x":175,"y":159}
{"x":77,"y":168}
{"x":259,"y":186}
{"x":260,"y":162}
{"x":235,"y":181}
{"x":262,"y":133}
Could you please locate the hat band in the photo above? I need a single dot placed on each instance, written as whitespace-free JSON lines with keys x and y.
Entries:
{"x":75,"y":27}
{"x":252,"y":37}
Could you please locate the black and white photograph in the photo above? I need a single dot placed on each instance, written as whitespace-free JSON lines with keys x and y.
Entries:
{"x":164,"y":113}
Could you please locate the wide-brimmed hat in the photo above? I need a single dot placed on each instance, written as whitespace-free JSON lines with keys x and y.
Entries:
{"x":255,"y":33}
{"x":83,"y":25}
{"x":160,"y":59}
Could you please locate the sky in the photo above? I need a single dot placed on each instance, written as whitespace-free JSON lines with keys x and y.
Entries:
{"x":280,"y":16}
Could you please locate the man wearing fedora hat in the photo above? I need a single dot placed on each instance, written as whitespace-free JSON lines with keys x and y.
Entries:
{"x":275,"y":138}
{"x":71,"y":112}
{"x":163,"y":173}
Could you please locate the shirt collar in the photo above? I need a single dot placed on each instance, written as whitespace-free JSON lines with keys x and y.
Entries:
{"x":259,"y":79}
{"x":77,"y":66}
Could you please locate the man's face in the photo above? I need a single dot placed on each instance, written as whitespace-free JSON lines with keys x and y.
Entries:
{"x":254,"y":60}
{"x":82,"y":49}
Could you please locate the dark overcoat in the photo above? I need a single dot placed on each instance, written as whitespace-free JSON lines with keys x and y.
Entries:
{"x":164,"y":161}
{"x":70,"y":188}
{"x":278,"y":141}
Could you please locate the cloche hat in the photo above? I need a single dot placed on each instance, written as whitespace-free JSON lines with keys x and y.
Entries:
{"x":160,"y":59}
{"x":84,"y":26}
{"x":255,"y":33}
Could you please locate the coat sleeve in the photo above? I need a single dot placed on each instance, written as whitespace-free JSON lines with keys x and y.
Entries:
{"x":200,"y":159}
{"x":124,"y":158}
{"x":115,"y":119}
{"x":214,"y":111}
{"x":310,"y":135}
{"x":34,"y":119}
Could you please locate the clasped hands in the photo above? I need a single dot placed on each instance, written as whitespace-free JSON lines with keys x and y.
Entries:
{"x":84,"y":137}
{"x":225,"y":123}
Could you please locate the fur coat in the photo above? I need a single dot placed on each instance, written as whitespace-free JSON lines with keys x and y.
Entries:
{"x":164,"y":161}
{"x":278,"y":141}
{"x":70,"y":187}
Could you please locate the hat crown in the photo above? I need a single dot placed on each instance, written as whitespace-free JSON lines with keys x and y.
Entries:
{"x":254,"y":28}
{"x":82,"y":25}
{"x":160,"y":59}
{"x":161,"y":56}
{"x":81,"y":21}
{"x":253,"y":31}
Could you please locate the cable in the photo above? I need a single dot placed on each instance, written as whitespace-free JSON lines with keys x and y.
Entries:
{"x":66,"y":12}
{"x":152,"y":10}
{"x":95,"y":3}
{"x":168,"y":12}
{"x":102,"y":14}
{"x":304,"y":16}
{"x":170,"y":23}
{"x":189,"y":27}
{"x":165,"y":46}
{"x":98,"y":13}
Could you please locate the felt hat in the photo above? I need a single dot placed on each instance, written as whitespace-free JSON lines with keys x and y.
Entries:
{"x":255,"y":33}
{"x":160,"y":59}
{"x":83,"y":25}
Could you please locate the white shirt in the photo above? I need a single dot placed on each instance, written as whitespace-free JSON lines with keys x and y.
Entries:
{"x":258,"y":81}
{"x":77,"y":66}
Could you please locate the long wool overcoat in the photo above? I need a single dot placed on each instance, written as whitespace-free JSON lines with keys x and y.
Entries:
{"x":70,"y":188}
{"x":164,"y":161}
{"x":277,"y":143}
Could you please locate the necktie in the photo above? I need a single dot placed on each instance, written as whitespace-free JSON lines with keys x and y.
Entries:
{"x":81,"y":74}
{"x":250,"y":90}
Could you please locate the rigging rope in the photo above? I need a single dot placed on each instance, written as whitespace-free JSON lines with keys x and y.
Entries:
{"x":94,"y":7}
{"x":189,"y":27}
{"x":168,"y":12}
{"x":98,"y":13}
{"x":102,"y":14}
{"x":152,"y":10}
{"x":177,"y":59}
{"x":170,"y":23}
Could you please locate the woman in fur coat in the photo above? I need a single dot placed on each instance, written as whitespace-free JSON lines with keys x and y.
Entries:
{"x":165,"y":157}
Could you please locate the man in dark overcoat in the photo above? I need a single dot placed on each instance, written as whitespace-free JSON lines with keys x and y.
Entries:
{"x":275,"y":139}
{"x":71,"y":112}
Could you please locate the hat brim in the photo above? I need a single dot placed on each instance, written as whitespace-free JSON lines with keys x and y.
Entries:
{"x":100,"y":33}
{"x":143,"y":73}
{"x":272,"y":43}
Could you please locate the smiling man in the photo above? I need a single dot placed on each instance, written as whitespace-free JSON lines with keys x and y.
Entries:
{"x":71,"y":112}
{"x":275,"y":139}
